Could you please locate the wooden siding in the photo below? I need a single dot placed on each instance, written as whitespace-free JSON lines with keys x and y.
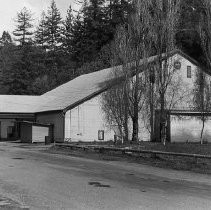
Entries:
{"x":84,"y":121}
{"x":25,"y":133}
{"x":55,"y":118}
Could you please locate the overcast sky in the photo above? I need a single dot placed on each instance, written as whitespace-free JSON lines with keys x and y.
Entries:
{"x":9,"y":9}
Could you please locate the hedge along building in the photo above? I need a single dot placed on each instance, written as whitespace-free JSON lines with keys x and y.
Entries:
{"x":74,"y":108}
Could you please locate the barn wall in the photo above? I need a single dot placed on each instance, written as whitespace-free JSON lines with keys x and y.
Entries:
{"x":39,"y":133}
{"x":26,"y":132}
{"x":5,"y":123}
{"x":188,"y":129}
{"x":83,"y":123}
{"x":180,"y":91}
{"x":55,"y":118}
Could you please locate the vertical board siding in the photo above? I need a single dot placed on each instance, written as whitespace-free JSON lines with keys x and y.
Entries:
{"x":83,"y":122}
{"x":55,"y":118}
{"x":25,"y":133}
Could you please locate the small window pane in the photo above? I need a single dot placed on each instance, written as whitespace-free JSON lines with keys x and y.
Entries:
{"x":188,"y":71}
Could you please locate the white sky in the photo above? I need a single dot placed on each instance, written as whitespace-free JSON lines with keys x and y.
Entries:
{"x":9,"y":9}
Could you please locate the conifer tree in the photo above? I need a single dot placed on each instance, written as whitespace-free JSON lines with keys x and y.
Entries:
{"x":5,"y":39}
{"x":23,"y":31}
{"x":91,"y":26}
{"x":40,"y":33}
{"x":118,"y":11}
{"x":68,"y":31}
{"x":53,"y":23}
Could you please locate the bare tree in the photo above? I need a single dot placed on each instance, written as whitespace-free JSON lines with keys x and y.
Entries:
{"x":151,"y":29}
{"x":202,"y":98}
{"x":165,"y":15}
{"x":133,"y":43}
{"x":113,"y":104}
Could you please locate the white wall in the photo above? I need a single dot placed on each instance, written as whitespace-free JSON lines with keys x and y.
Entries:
{"x":188,"y":128}
{"x":180,"y":92}
{"x":39,"y":133}
{"x":83,"y":122}
{"x":5,"y":123}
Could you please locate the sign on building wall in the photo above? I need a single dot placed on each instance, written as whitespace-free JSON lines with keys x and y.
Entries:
{"x":101,"y":135}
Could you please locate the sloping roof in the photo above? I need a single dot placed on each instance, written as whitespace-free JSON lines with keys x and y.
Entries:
{"x":75,"y":90}
{"x":18,"y":103}
{"x":70,"y":94}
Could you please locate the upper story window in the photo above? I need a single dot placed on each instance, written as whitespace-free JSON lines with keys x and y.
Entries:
{"x":188,"y":71}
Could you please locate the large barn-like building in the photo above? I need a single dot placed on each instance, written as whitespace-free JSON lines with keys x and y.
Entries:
{"x":73,"y":110}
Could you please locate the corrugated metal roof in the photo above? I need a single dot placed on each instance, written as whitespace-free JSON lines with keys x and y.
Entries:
{"x":65,"y":96}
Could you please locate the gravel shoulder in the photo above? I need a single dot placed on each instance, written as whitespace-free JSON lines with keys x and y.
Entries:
{"x":202,"y":166}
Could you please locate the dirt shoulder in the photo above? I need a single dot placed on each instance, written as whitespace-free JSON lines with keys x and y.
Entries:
{"x":179,"y":163}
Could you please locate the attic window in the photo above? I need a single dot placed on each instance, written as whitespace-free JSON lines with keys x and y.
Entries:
{"x":188,"y":71}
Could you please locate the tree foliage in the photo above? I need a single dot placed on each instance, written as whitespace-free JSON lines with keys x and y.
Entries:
{"x":40,"y":33}
{"x":23,"y":31}
{"x":53,"y":26}
{"x":76,"y":45}
{"x":5,"y":38}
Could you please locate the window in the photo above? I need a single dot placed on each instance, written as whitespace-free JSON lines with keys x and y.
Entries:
{"x":188,"y":71}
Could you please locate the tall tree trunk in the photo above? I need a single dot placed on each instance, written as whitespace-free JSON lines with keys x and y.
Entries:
{"x":135,"y":109}
{"x":125,"y":124}
{"x":162,"y":118}
{"x":152,"y":112}
{"x":202,"y":130}
{"x":135,"y":129}
{"x":126,"y":133}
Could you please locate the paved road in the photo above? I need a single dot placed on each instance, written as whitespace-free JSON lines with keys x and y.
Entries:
{"x":36,"y":180}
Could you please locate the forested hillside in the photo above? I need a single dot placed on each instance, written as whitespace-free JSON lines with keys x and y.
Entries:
{"x":37,"y":58}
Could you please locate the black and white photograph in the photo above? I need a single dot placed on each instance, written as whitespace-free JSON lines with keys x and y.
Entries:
{"x":105,"y":104}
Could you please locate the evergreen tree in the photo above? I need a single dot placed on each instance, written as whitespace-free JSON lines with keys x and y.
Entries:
{"x":7,"y":57}
{"x":5,"y":38}
{"x":77,"y":43}
{"x":89,"y":31}
{"x":40,"y":33}
{"x":187,"y":36}
{"x":68,"y":32}
{"x":118,"y":12}
{"x":53,"y":25}
{"x":23,"y":31}
{"x":95,"y":29}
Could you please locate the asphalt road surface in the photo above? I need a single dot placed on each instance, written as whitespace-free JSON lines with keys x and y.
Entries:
{"x":33,"y":179}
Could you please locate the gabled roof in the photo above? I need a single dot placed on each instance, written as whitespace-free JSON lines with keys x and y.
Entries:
{"x":70,"y":94}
